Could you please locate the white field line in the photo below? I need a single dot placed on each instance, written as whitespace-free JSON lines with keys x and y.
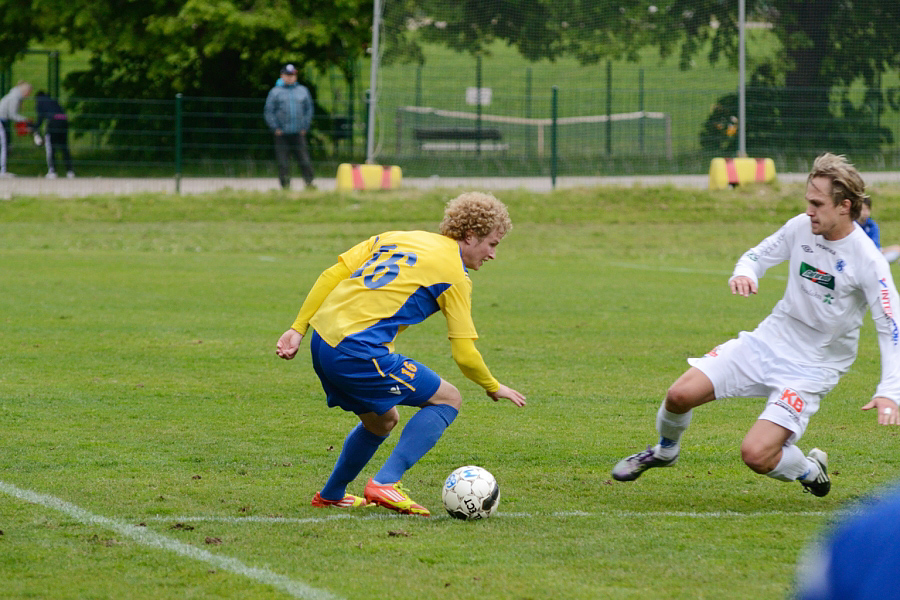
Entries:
{"x":619,"y":514}
{"x":142,"y":535}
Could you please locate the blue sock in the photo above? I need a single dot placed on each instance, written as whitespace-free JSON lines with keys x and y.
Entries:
{"x":358,"y":450}
{"x":419,"y":436}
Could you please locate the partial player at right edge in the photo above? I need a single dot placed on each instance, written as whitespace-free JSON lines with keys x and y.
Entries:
{"x":799,"y":352}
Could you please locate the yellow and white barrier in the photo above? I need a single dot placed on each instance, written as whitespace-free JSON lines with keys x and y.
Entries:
{"x":368,"y":177}
{"x":724,"y":172}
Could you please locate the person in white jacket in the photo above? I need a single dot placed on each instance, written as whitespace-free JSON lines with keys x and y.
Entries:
{"x":10,"y":105}
{"x":799,"y":352}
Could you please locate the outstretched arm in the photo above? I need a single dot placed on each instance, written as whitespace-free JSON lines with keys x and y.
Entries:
{"x":754,"y":263}
{"x":881,"y":294}
{"x":470,"y":362}
{"x":509,"y":393}
{"x":743,"y":285}
{"x":289,"y":341}
{"x":288,"y":344}
{"x":886,"y":409}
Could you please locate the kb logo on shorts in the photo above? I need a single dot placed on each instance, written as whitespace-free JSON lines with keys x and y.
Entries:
{"x":790,"y":398}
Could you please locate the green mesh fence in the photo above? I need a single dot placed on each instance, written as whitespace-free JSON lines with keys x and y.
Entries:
{"x":485,"y":109}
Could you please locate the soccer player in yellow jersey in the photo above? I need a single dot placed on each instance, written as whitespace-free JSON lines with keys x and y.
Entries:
{"x":358,"y":306}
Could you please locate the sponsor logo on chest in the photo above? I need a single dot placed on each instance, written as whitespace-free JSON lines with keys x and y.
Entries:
{"x":816,"y":275}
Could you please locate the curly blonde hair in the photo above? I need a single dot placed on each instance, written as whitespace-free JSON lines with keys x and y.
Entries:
{"x":477,"y":213}
{"x":846,"y":182}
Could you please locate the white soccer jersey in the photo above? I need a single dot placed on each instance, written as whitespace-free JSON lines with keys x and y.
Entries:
{"x":830,"y":286}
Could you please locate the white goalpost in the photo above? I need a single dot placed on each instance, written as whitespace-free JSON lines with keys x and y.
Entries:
{"x":541,"y":125}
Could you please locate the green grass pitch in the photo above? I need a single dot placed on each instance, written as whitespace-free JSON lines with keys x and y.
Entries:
{"x":153,"y":446}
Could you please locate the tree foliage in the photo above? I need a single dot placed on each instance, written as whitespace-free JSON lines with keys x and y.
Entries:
{"x":16,"y":29}
{"x":154,"y":49}
{"x":825,"y":47}
{"x":539,"y":29}
{"x":233,"y":48}
{"x":823,"y":43}
{"x":157,"y":48}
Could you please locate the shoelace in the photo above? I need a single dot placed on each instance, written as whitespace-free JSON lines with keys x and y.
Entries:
{"x":642,"y":456}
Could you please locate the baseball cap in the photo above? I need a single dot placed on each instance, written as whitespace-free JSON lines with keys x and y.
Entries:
{"x":289,"y":70}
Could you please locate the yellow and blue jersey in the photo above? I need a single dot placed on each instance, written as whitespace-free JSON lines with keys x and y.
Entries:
{"x":397,"y":279}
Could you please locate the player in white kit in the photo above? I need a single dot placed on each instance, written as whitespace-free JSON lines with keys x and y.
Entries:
{"x":799,"y":352}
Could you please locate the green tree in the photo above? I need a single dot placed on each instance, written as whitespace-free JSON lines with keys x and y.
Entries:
{"x":156,"y":48}
{"x":825,"y":46}
{"x":153,"y":49}
{"x":16,"y":29}
{"x":539,"y":29}
{"x":823,"y":43}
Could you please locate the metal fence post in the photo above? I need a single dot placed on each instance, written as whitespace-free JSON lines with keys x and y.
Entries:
{"x":53,"y":73}
{"x":641,"y":110}
{"x":609,"y":108}
{"x":529,"y":143}
{"x":554,"y":105}
{"x":178,"y":109}
{"x":478,"y":105}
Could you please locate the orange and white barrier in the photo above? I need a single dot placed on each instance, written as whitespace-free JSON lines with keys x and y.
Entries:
{"x":724,"y":172}
{"x":368,"y":177}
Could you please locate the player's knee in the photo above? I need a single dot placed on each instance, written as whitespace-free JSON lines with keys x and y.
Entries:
{"x":391,"y":421}
{"x":678,"y":399}
{"x":757,"y":457}
{"x":383,"y":424}
{"x":447,"y":394}
{"x":453,"y":397}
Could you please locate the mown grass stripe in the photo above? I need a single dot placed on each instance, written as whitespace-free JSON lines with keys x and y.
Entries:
{"x":146,"y":537}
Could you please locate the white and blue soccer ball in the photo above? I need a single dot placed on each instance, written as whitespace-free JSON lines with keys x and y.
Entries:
{"x":470,"y":493}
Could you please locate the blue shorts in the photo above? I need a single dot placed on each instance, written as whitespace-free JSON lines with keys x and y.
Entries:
{"x":362,"y":385}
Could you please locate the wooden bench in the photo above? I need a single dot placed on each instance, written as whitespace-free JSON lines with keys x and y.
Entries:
{"x":468,"y":139}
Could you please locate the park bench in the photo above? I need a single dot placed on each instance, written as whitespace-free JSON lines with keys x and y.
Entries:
{"x":470,"y":139}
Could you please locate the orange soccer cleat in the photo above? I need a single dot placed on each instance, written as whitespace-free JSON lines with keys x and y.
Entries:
{"x":394,"y":496}
{"x":348,"y":501}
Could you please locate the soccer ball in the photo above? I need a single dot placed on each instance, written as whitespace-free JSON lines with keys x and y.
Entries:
{"x":470,"y":493}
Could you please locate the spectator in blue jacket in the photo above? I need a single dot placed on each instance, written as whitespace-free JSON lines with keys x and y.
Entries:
{"x":288,"y":113}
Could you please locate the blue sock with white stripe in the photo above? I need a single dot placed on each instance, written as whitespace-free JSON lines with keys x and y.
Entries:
{"x":421,"y":433}
{"x":358,"y":450}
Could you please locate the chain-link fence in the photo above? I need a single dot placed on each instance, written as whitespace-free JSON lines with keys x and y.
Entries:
{"x":494,"y":113}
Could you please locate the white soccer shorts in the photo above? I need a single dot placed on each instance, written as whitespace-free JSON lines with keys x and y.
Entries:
{"x":747,"y":368}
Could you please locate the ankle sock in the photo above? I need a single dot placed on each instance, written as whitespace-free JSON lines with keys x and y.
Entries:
{"x":793,"y":466}
{"x":671,"y":426}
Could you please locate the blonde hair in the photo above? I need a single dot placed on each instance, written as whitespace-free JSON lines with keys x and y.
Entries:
{"x":846,"y":182}
{"x":477,"y":213}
